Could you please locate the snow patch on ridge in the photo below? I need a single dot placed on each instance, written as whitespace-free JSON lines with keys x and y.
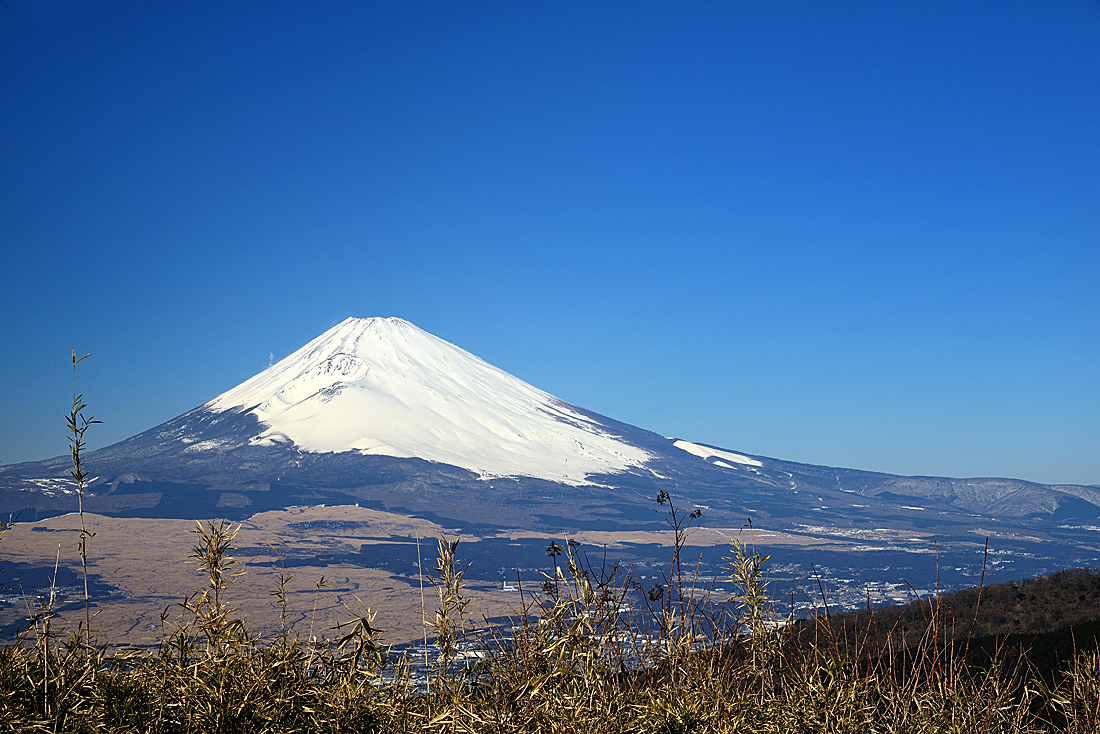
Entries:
{"x":383,"y":386}
{"x":705,"y":452}
{"x":205,"y":445}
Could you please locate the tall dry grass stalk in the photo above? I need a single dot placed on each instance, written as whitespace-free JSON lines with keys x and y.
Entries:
{"x":77,"y":424}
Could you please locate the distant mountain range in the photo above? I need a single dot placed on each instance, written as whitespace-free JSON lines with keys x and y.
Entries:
{"x":379,"y":411}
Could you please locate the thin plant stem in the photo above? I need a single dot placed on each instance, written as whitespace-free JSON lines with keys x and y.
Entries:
{"x":77,"y":424}
{"x":423,"y":611}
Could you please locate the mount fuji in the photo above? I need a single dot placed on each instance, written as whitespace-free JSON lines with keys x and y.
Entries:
{"x":379,"y":411}
{"x":383,"y":386}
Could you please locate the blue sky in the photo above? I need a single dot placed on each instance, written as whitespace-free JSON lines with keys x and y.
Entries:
{"x":856,"y":234}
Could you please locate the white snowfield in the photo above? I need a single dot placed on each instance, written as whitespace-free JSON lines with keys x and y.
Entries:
{"x":383,"y":386}
{"x":704,"y":452}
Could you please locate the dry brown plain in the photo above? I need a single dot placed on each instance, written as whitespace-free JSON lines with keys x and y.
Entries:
{"x":146,"y":561}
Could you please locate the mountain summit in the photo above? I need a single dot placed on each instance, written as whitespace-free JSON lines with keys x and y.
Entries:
{"x":383,"y":386}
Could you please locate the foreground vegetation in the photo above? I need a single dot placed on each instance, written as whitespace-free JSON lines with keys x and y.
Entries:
{"x":590,"y":651}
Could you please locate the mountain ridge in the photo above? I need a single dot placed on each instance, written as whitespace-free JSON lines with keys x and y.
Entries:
{"x":378,"y":410}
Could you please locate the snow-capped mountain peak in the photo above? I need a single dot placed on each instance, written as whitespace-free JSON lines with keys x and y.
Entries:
{"x":384,"y":386}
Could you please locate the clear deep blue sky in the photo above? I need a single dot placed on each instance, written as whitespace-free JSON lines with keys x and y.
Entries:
{"x":857,"y":234}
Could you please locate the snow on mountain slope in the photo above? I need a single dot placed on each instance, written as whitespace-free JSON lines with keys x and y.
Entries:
{"x":384,"y":386}
{"x":705,"y":452}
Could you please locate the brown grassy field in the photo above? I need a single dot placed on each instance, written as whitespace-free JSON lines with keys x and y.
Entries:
{"x":145,"y":560}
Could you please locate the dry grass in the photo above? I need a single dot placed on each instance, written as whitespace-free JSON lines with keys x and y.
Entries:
{"x":574,"y":661}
